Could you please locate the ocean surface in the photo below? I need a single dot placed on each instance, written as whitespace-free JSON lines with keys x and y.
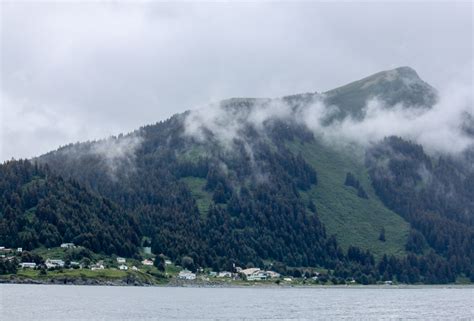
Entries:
{"x":57,"y":302}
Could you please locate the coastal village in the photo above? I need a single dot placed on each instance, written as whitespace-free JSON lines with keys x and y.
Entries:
{"x":56,"y":263}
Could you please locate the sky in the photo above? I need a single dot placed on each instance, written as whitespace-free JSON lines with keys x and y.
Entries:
{"x":79,"y":71}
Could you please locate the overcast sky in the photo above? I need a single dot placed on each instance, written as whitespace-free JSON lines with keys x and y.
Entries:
{"x":79,"y":71}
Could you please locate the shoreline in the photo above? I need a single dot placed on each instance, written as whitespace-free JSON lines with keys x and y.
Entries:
{"x":206,"y":284}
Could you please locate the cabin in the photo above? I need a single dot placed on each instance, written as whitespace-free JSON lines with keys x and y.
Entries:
{"x":123,"y":267}
{"x":147,"y":262}
{"x":121,"y":260}
{"x":224,"y":274}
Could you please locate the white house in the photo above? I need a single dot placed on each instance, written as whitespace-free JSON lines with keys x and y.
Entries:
{"x":273,"y":274}
{"x":186,"y":275}
{"x":54,"y":263}
{"x":224,"y":274}
{"x":30,"y":265}
{"x":288,"y":279}
{"x":121,"y":260}
{"x":134,"y":268}
{"x":19,"y":250}
{"x":123,"y":267}
{"x":147,"y":262}
{"x":254,"y":274}
{"x":67,"y":245}
{"x":97,"y":266}
{"x":168,"y":262}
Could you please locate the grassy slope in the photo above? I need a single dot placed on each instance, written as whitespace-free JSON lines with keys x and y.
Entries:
{"x":202,"y":197}
{"x":354,"y":220}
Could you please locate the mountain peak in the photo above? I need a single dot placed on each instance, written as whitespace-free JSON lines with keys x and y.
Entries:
{"x":401,"y":85}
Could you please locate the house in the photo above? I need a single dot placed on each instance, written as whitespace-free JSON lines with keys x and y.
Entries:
{"x":74,"y":263}
{"x":288,"y":279}
{"x":273,"y":274}
{"x":4,"y":250}
{"x":30,"y":265}
{"x":168,"y":262}
{"x":19,"y":250}
{"x":147,"y":262}
{"x":186,"y":275}
{"x":97,"y":266}
{"x":224,"y":274}
{"x":147,"y":250}
{"x":54,"y":263}
{"x":68,"y":245}
{"x":254,"y":274}
{"x":121,"y":260}
{"x":388,"y":282}
{"x":212,"y":273}
{"x":123,"y":267}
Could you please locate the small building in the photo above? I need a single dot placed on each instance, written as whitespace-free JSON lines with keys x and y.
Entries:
{"x":147,"y":262}
{"x":5,"y":250}
{"x":19,"y":250}
{"x":74,"y":263}
{"x":224,"y":274}
{"x":288,"y":279}
{"x":29,"y":265}
{"x":186,"y":275}
{"x":273,"y":274}
{"x":134,"y":268}
{"x":168,"y":262}
{"x":97,"y":266}
{"x":123,"y":267}
{"x":213,"y":273}
{"x":54,"y":263}
{"x":68,"y":245}
{"x":121,"y":260}
{"x":254,"y":274}
{"x":147,"y":249}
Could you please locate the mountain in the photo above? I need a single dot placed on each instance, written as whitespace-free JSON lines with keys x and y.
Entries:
{"x":256,"y":182}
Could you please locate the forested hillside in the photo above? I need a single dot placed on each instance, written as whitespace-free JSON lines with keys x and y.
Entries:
{"x":39,"y":208}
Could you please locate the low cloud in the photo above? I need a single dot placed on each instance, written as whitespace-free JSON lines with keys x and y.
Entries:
{"x":440,"y":129}
{"x":118,"y":153}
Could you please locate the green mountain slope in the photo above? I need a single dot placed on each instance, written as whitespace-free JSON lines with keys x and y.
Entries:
{"x":355,"y":221}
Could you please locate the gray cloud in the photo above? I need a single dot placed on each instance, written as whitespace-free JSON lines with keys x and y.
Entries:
{"x":78,"y":71}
